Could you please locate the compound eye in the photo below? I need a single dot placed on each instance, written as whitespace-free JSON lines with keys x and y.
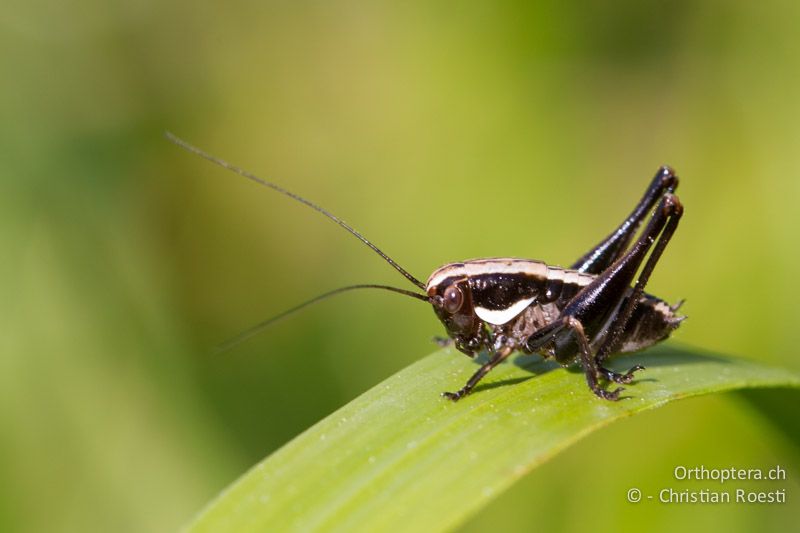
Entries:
{"x":453,"y":299}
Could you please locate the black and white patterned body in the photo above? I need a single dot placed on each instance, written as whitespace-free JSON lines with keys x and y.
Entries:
{"x":513,"y":298}
{"x":586,"y":313}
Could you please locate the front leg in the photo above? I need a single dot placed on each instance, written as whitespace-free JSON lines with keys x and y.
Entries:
{"x":497,"y":357}
{"x":442,"y":342}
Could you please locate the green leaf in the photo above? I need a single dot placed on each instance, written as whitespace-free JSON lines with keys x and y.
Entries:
{"x":401,"y":457}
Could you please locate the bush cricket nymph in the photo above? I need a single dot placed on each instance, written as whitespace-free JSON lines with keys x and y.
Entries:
{"x":585,"y":313}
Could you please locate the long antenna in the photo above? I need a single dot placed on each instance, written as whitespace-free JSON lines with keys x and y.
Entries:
{"x":224,"y":164}
{"x":246,"y":334}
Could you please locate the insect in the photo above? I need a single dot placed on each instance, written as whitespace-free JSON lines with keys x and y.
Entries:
{"x":585,"y":313}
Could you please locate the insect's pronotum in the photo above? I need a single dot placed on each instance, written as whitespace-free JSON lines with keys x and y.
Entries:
{"x":585,"y":313}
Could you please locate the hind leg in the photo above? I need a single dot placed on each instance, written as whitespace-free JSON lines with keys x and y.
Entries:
{"x":671,"y":210}
{"x":607,"y":293}
{"x":612,"y":247}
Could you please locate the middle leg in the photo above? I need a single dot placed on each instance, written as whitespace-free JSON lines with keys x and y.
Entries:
{"x":498,"y":357}
{"x":571,"y":326}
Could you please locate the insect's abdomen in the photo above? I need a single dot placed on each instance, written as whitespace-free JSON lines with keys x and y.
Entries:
{"x":652,"y":321}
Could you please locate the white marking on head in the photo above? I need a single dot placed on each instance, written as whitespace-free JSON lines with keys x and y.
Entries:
{"x":444,"y":272}
{"x":498,"y":317}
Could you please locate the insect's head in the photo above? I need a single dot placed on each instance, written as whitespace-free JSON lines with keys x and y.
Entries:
{"x":450,"y":294}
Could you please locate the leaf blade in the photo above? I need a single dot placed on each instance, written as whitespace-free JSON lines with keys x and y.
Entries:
{"x":399,"y":457}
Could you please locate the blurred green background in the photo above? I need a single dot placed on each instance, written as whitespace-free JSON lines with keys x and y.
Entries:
{"x":443,"y":131}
